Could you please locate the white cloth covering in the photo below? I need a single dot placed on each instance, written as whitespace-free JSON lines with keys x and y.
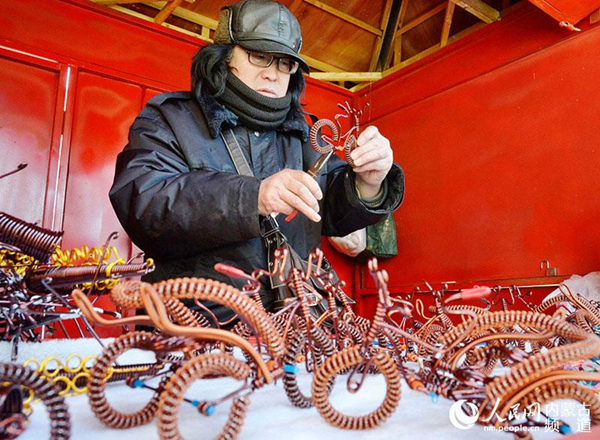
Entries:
{"x":270,"y":415}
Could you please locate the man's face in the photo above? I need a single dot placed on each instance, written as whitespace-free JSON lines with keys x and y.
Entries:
{"x":268,"y":81}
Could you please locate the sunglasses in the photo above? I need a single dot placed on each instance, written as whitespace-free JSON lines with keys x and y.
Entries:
{"x":261,"y":59}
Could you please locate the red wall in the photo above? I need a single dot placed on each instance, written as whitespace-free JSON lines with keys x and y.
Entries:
{"x":499,"y":138}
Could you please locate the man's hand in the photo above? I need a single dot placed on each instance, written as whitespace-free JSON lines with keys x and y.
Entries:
{"x":288,"y":190}
{"x":373,"y":159}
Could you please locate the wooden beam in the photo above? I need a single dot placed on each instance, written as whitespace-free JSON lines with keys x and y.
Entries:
{"x":167,"y":25}
{"x":188,"y":15}
{"x":177,"y":12}
{"x":166,"y":11}
{"x":379,"y":43}
{"x":346,"y":17}
{"x":207,"y":24}
{"x":397,"y":58}
{"x":320,"y":65}
{"x":347,"y":76}
{"x":421,"y":18}
{"x":359,"y":86}
{"x":447,"y":23}
{"x":479,"y":9}
{"x":433,"y":49}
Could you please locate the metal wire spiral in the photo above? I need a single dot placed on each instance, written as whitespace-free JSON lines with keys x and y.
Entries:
{"x":347,"y":359}
{"x":32,"y":240}
{"x":127,"y":294}
{"x":198,"y":368}
{"x":298,"y":349}
{"x":58,"y":411}
{"x":99,"y":375}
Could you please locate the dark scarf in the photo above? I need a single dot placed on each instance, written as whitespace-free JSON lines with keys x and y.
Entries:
{"x":254,"y":110}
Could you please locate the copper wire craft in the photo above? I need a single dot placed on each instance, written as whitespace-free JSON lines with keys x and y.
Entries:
{"x":33,"y":303}
{"x":47,"y":392}
{"x":441,"y":345}
{"x":185,"y":338}
{"x":435,"y":356}
{"x":349,"y":358}
{"x":13,"y":420}
{"x":31,"y":239}
{"x":324,"y":144}
{"x":162,"y":302}
{"x":68,"y":277}
{"x":202,"y":366}
{"x":100,"y":372}
{"x":128,"y":295}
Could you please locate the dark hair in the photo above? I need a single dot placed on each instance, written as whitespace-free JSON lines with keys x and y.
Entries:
{"x":210,"y":67}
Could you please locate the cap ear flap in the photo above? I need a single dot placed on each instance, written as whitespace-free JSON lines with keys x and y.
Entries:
{"x":224,"y":32}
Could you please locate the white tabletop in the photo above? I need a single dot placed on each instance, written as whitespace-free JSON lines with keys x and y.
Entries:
{"x":270,"y":415}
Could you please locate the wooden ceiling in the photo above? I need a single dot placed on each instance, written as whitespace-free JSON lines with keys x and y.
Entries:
{"x":347,"y":42}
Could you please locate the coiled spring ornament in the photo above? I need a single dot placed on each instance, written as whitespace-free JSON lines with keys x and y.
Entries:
{"x":169,"y":395}
{"x":46,"y":391}
{"x":326,"y":145}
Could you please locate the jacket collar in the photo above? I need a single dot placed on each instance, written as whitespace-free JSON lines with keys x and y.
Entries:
{"x":216,"y":114}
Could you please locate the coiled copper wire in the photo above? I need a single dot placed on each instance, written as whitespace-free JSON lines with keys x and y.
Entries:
{"x":511,"y":318}
{"x":350,"y":333}
{"x":315,"y":136}
{"x":538,"y":364}
{"x":12,"y":419}
{"x":547,"y":303}
{"x":321,"y":349}
{"x":349,"y":145}
{"x":552,"y":382}
{"x":71,"y":276}
{"x":47,"y":392}
{"x":99,"y":375}
{"x":584,"y":320}
{"x":183,"y":315}
{"x":30,"y":239}
{"x":585,"y":347}
{"x":348,"y":137}
{"x":589,"y":307}
{"x":127,"y":294}
{"x":346,"y":359}
{"x":197,"y":368}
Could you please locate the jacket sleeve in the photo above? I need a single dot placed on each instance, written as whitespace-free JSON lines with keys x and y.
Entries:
{"x":340,"y":218}
{"x":170,"y":210}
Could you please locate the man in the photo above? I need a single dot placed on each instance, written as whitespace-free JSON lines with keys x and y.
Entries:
{"x":177,"y":191}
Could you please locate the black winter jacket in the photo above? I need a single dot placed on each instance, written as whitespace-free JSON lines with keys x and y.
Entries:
{"x":178,"y":196}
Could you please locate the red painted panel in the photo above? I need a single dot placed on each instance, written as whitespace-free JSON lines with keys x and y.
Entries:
{"x":571,"y":11}
{"x":321,"y":100}
{"x":104,"y":110}
{"x":73,"y":29}
{"x":28,"y":96}
{"x":502,"y":171}
{"x":368,"y":302}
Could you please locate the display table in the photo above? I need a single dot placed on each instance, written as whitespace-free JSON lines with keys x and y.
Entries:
{"x":270,"y":415}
